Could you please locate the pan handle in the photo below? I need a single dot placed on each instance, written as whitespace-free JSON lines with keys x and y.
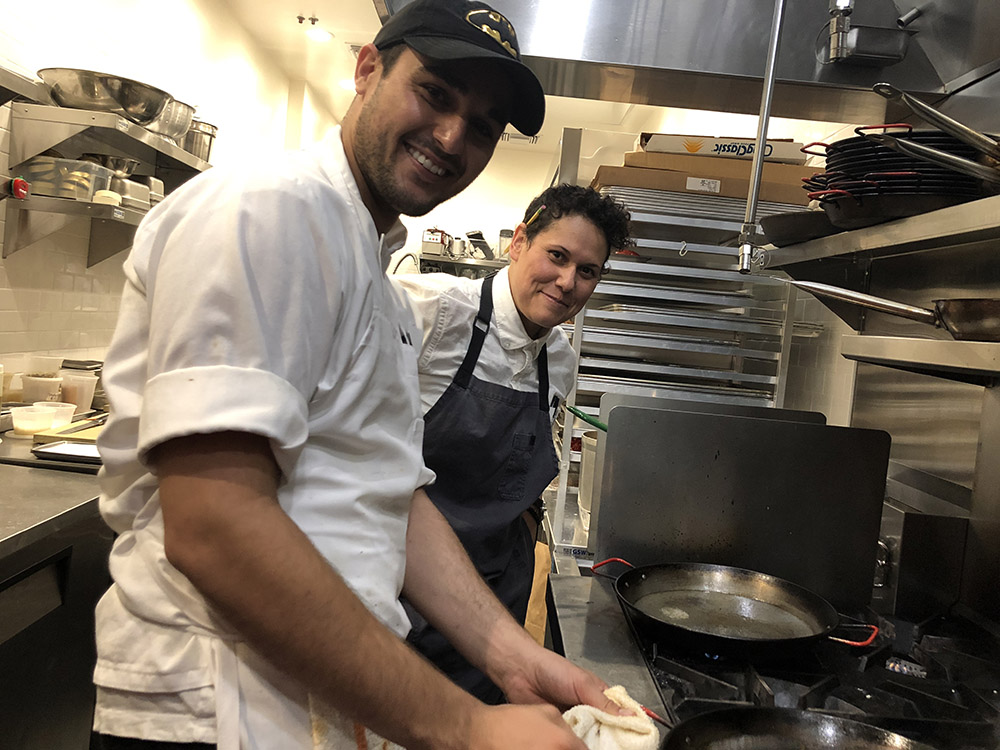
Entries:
{"x":862,"y":130}
{"x":942,"y":158}
{"x":920,"y":314}
{"x":964,"y":133}
{"x":805,"y":149}
{"x":866,"y":642}
{"x":602,"y":563}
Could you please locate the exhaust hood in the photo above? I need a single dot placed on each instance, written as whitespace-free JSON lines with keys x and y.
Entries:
{"x":710,"y":54}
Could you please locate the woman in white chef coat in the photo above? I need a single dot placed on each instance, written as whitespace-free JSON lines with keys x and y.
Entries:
{"x":493,"y":367}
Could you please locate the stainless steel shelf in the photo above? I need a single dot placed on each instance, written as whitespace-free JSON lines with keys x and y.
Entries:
{"x":967,"y":222}
{"x":13,"y":85}
{"x":35,"y":218}
{"x":35,"y":128}
{"x":672,"y":294}
{"x":641,"y":344}
{"x":621,"y":264}
{"x":975,"y":362}
{"x":695,"y":320}
{"x":596,"y":386}
{"x":475,"y":262}
{"x":679,"y":372}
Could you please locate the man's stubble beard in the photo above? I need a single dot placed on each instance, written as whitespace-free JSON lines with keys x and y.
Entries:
{"x":377,"y":166}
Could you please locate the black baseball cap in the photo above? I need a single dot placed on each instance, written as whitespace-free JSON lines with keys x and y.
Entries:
{"x":466,"y":30}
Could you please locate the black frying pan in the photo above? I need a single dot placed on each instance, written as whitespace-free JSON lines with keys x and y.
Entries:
{"x":725,"y":608}
{"x":796,"y":226}
{"x":781,"y":729}
{"x":854,"y":209}
{"x":968,"y":319}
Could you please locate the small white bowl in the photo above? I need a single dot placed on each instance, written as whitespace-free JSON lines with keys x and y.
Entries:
{"x":64,"y":412}
{"x":31,"y":419}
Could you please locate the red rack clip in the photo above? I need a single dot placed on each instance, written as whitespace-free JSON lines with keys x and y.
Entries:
{"x":16,"y":188}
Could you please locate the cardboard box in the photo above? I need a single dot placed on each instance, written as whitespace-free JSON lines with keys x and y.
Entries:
{"x":714,"y":166}
{"x":683,"y":182}
{"x":729,"y":148}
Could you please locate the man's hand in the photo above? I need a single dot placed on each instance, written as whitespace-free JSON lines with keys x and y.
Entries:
{"x":522,"y":727}
{"x":549,"y":678}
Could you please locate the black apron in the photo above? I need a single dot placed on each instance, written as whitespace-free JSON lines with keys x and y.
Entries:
{"x":491,"y":447}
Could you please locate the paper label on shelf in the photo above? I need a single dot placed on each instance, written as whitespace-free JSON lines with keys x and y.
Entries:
{"x":572,"y":551}
{"x":704,"y":185}
{"x":117,"y":213}
{"x":122,"y":124}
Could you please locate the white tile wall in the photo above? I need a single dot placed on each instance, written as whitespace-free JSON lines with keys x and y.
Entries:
{"x":50,"y":302}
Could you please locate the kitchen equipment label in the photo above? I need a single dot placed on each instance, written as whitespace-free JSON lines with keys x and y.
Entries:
{"x":703,"y":185}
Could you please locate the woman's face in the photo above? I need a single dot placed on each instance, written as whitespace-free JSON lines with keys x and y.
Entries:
{"x":553,"y":275}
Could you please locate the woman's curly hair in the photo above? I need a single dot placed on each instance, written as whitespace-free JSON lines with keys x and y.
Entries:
{"x":607,"y":214}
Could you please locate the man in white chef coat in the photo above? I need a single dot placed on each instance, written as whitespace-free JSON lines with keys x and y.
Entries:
{"x":265,"y":439}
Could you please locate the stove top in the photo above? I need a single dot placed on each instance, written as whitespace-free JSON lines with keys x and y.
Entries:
{"x":937,"y":681}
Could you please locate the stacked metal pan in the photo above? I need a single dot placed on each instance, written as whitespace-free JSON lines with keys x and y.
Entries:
{"x":867,"y":181}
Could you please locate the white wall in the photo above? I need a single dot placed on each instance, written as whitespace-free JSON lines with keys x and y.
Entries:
{"x":495,"y":201}
{"x":50,"y":302}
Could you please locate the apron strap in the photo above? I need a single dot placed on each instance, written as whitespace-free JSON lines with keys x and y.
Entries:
{"x":543,"y":380}
{"x":479,"y":328}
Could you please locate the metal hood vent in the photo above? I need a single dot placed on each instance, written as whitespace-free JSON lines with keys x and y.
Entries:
{"x":710,"y":54}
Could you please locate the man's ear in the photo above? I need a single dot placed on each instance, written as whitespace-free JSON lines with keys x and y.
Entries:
{"x":518,"y":242}
{"x":367,"y":69}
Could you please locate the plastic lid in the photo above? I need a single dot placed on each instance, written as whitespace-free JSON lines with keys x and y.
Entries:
{"x":108,"y":197}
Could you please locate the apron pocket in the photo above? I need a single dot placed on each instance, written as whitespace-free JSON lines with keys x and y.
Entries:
{"x":511,"y":485}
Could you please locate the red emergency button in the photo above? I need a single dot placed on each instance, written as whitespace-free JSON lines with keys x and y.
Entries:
{"x":19,"y":188}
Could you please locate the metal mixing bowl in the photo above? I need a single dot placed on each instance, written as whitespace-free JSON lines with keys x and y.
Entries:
{"x":85,"y":89}
{"x":122,"y":166}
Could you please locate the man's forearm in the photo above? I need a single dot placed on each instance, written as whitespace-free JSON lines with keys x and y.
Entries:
{"x":448,"y":591}
{"x":227,"y":534}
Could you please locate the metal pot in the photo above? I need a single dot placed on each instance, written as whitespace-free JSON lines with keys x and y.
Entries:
{"x":723,"y":608}
{"x":781,"y":729}
{"x":198,"y":140}
{"x":968,"y":319}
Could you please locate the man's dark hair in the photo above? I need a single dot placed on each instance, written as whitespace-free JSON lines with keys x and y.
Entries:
{"x":607,"y":214}
{"x":390,"y":55}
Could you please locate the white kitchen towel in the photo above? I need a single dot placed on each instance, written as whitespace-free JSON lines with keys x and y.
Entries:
{"x":604,"y":731}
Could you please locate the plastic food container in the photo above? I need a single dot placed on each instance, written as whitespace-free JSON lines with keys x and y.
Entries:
{"x":588,"y":463}
{"x":66,"y":178}
{"x":28,"y":420}
{"x":64,"y":412}
{"x":78,"y":388}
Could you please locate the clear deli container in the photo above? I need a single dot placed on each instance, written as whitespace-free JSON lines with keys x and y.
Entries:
{"x":65,"y":178}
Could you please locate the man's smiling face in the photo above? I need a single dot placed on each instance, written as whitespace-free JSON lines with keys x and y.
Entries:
{"x":426,"y":130}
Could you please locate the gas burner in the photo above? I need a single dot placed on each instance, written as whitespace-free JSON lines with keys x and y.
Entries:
{"x":936,"y":682}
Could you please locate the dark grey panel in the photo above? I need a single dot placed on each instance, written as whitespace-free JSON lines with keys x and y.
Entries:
{"x":796,"y":500}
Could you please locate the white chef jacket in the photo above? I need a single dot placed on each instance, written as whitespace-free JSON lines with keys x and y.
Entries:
{"x":255,"y":300}
{"x":446,"y":305}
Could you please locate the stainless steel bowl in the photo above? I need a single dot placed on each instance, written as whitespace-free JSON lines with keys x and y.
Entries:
{"x":122,"y":166}
{"x":173,"y":122}
{"x":85,"y":89}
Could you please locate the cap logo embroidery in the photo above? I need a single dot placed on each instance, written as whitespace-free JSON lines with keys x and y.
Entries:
{"x":496,"y":26}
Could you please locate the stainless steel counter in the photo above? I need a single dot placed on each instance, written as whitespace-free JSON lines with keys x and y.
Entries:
{"x":35,"y":503}
{"x":589,"y":626}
